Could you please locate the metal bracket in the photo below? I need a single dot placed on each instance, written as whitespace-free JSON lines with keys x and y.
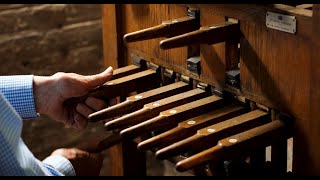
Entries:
{"x":233,"y":77}
{"x":195,"y":13}
{"x":186,"y":79}
{"x":169,"y":74}
{"x":153,"y":66}
{"x":218,"y":91}
{"x":138,"y":61}
{"x":193,"y":65}
{"x":203,"y":86}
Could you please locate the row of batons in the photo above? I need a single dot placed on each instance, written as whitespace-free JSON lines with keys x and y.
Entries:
{"x":189,"y":121}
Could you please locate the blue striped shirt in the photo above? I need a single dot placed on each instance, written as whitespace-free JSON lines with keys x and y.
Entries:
{"x":16,"y":104}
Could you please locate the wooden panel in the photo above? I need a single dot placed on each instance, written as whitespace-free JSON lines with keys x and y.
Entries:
{"x":212,"y":56}
{"x":306,"y":159}
{"x":256,"y":14}
{"x":275,"y":71}
{"x":274,"y":68}
{"x":148,"y":15}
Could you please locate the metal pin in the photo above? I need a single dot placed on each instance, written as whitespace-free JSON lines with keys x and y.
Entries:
{"x":191,"y":122}
{"x":233,"y":140}
{"x":172,"y":111}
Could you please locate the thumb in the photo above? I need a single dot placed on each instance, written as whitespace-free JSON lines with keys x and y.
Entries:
{"x":101,"y":78}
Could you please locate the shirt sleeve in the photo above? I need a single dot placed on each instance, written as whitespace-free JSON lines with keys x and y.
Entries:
{"x":60,"y":163}
{"x":18,"y":90}
{"x":15,"y":157}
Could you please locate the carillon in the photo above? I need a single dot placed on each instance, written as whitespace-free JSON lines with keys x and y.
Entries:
{"x":212,"y":87}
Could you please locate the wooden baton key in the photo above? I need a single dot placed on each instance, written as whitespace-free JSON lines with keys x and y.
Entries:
{"x":187,"y":128}
{"x":122,"y":86}
{"x":205,"y":35}
{"x":136,"y":102}
{"x":165,"y":29}
{"x":106,"y":143}
{"x":172,"y":117}
{"x":153,"y":109}
{"x":125,"y":71}
{"x":233,"y":146}
{"x":209,"y":136}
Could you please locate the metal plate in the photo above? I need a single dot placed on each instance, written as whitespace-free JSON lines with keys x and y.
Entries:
{"x":281,"y":22}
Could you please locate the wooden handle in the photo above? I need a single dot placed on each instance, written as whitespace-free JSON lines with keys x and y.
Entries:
{"x":210,"y":135}
{"x":127,"y":84}
{"x":108,"y":142}
{"x":121,"y":86}
{"x":96,"y":145}
{"x":162,"y":139}
{"x":205,"y":35}
{"x":145,"y":127}
{"x":125,"y":71}
{"x":179,"y":147}
{"x":190,"y":126}
{"x":238,"y":144}
{"x":129,"y":119}
{"x":172,"y":117}
{"x":113,"y":111}
{"x":166,"y":29}
{"x":153,"y":109}
{"x":136,"y":102}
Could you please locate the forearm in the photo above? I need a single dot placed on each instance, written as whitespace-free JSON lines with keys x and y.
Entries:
{"x":15,"y":157}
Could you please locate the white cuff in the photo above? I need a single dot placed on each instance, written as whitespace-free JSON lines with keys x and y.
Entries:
{"x":61,"y":164}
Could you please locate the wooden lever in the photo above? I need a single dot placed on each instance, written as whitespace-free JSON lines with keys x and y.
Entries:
{"x":187,"y":128}
{"x":172,"y":117}
{"x":209,"y":136}
{"x":153,"y":109}
{"x":125,"y":71}
{"x":165,"y":29}
{"x":122,"y":86}
{"x":136,"y":102}
{"x":233,"y":146}
{"x":96,"y":144}
{"x":108,"y":142}
{"x":205,"y":35}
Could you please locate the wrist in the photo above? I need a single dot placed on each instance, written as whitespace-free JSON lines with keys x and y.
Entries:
{"x":41,"y":92}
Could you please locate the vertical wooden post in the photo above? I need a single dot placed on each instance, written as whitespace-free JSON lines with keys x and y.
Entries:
{"x":309,"y":162}
{"x":279,"y":152}
{"x":258,"y":157}
{"x":125,"y":159}
{"x":112,"y":36}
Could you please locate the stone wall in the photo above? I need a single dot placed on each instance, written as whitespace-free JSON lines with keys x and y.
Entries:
{"x":45,"y":38}
{"x":42,"y":39}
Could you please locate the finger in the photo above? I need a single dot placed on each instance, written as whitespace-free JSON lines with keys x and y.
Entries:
{"x":97,"y":156}
{"x":95,"y":104}
{"x":84,"y":110}
{"x":98,"y":159}
{"x":80,"y":121}
{"x":101,"y":78}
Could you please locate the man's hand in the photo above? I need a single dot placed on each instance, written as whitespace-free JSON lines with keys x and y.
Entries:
{"x":83,"y":162}
{"x":51,"y":92}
